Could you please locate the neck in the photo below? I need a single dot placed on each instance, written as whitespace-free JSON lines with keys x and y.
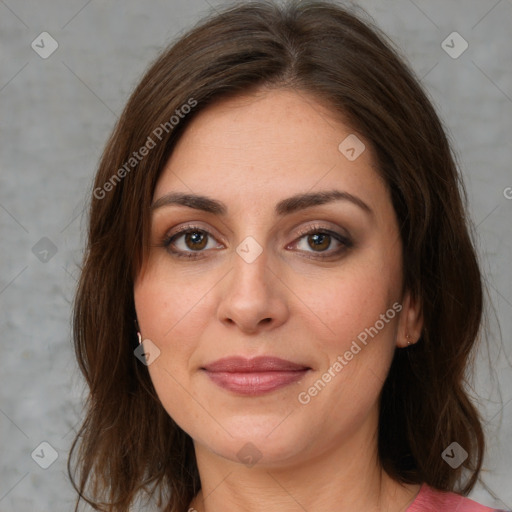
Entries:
{"x":345,"y":477}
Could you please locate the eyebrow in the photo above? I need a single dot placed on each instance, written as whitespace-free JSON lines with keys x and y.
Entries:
{"x":284,"y":207}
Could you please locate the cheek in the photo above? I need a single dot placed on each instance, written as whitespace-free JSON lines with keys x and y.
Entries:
{"x":354,"y":325}
{"x":351,"y":301}
{"x":358,"y":324}
{"x":169,"y":302}
{"x":171,"y":313}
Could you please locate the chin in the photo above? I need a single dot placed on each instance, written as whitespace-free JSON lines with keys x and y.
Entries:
{"x":251,"y":441}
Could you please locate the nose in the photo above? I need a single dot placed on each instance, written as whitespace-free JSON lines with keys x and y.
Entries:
{"x":253,"y":297}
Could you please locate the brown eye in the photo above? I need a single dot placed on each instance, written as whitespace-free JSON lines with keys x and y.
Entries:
{"x":325,"y":243}
{"x":319,"y":241}
{"x":190,"y":242}
{"x":196,"y":240}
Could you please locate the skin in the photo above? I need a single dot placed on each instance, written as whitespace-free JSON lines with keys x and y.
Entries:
{"x":250,"y":152}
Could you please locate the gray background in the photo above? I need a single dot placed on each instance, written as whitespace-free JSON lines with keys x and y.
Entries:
{"x":56,"y":114}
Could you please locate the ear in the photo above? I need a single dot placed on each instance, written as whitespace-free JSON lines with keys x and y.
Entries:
{"x":410,"y":324}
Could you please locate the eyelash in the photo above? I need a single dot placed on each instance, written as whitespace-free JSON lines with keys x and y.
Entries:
{"x":313,"y":230}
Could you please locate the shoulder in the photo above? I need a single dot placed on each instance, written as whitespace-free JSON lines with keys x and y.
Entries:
{"x":432,"y":500}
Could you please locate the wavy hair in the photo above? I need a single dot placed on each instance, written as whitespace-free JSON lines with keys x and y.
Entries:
{"x":127,"y":443}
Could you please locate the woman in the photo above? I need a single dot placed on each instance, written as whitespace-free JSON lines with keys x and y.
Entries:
{"x":280,"y":295}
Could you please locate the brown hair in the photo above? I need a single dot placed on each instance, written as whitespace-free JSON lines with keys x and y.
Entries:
{"x":128,"y":442}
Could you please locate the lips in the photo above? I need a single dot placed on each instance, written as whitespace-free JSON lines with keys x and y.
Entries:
{"x":254,"y":376}
{"x":257,"y":364}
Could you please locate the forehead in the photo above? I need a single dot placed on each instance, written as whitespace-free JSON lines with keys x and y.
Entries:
{"x":269,"y":144}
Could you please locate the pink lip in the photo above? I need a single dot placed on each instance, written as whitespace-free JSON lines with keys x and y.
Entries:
{"x":254,"y":376}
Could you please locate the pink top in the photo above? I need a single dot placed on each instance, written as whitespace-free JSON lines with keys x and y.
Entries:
{"x":432,"y":500}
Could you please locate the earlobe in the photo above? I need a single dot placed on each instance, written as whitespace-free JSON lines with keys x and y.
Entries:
{"x":411,"y":321}
{"x":137,"y":328}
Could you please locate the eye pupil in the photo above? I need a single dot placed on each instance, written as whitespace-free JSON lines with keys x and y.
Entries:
{"x":196,"y":238}
{"x":320,"y":241}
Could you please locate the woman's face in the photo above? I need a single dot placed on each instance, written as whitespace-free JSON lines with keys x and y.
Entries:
{"x":296,"y":255}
